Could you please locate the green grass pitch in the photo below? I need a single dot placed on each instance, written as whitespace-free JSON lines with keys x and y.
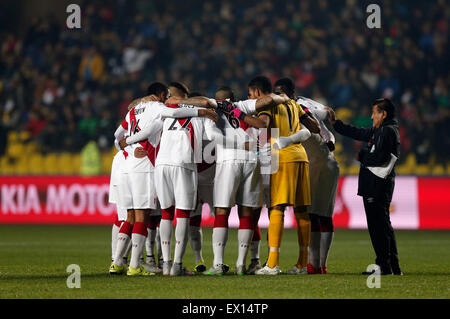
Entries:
{"x":33,"y":262}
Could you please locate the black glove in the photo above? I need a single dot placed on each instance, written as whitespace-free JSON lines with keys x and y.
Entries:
{"x":225,"y":106}
{"x":330,"y":146}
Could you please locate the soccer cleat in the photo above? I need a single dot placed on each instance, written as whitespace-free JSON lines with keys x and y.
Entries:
{"x":178,"y":270}
{"x":151,"y":268}
{"x":266,"y":270}
{"x":151,"y":261}
{"x":312,"y":271}
{"x":160,"y":263}
{"x":240,"y":270}
{"x":167,"y":266}
{"x":215,"y":270}
{"x":254,"y":266}
{"x":323,"y":270}
{"x":298,"y":271}
{"x":200,"y":267}
{"x":117,"y":270}
{"x":139,"y":271}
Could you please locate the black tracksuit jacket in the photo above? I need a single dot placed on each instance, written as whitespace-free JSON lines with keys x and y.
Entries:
{"x":386,"y":139}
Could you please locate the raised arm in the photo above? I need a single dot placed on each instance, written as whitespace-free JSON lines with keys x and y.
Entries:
{"x":356,"y":133}
{"x":201,"y":101}
{"x":154,"y":127}
{"x":120,"y":131}
{"x":270,"y":100}
{"x":308,"y":120}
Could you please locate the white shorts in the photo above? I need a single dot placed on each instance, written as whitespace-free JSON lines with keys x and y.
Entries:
{"x":324,"y":179}
{"x":122,"y":213}
{"x":137,"y":191}
{"x":176,"y":186}
{"x":237,"y":182}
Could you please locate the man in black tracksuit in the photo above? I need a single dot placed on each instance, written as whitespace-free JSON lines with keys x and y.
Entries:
{"x":382,"y":140}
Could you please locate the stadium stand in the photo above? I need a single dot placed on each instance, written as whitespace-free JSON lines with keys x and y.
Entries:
{"x":61,"y":88}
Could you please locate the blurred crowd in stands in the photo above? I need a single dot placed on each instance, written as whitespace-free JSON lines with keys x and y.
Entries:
{"x":68,"y":87}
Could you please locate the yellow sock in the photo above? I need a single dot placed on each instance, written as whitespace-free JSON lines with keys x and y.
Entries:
{"x":276,"y":226}
{"x":303,"y":236}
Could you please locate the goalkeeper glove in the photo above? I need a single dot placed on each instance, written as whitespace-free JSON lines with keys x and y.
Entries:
{"x":238,"y":114}
{"x":225,"y":106}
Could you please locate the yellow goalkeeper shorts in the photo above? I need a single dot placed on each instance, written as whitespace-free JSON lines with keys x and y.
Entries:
{"x":290,"y":185}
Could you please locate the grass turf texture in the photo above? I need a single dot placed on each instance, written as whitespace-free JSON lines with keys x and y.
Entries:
{"x":33,"y":262}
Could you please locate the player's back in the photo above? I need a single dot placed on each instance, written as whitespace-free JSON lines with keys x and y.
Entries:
{"x":181,"y":141}
{"x":137,"y":119}
{"x":240,"y":128}
{"x":286,"y":118}
{"x":315,"y":146}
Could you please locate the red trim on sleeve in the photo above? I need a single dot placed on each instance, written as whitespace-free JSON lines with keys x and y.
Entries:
{"x":125,"y":124}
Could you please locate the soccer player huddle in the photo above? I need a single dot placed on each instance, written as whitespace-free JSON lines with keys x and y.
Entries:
{"x":179,"y":150}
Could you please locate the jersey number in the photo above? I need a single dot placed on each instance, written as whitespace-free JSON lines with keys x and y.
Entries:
{"x":134,"y":128}
{"x":183,"y":127}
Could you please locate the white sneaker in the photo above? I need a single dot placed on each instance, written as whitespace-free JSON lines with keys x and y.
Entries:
{"x":178,"y":270}
{"x":254,"y":266}
{"x":167,"y":265}
{"x":266,"y":270}
{"x":298,"y":271}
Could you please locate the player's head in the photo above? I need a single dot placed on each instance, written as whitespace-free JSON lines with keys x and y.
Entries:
{"x":178,"y":89}
{"x":286,"y":86}
{"x":158,"y":89}
{"x":259,"y":86}
{"x":382,"y":110}
{"x":224,"y":93}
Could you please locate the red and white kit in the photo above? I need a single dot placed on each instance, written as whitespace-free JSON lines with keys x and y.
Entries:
{"x":238,"y":172}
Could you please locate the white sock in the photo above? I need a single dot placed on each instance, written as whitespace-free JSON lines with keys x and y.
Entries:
{"x":244,"y":239}
{"x":326,"y":238}
{"x":219,"y":239}
{"x":254,"y":249}
{"x":123,"y":241}
{"x":165,"y":233}
{"x":150,"y":242}
{"x":114,"y":234}
{"x":138,"y":241}
{"x":181,"y":239}
{"x":314,"y":250}
{"x":196,"y":237}
{"x":127,"y":250}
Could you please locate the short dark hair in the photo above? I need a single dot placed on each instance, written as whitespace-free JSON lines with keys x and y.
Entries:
{"x":157,"y":88}
{"x":228,"y":92}
{"x":386,"y":105}
{"x":180,"y":86}
{"x":194,"y":94}
{"x":287,"y":86}
{"x":262,"y":83}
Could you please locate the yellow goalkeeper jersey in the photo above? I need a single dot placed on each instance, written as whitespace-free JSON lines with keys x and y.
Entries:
{"x":286,"y":118}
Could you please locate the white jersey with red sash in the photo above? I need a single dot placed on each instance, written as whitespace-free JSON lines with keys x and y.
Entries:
{"x":228,"y":122}
{"x":181,"y":141}
{"x":137,"y":119}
